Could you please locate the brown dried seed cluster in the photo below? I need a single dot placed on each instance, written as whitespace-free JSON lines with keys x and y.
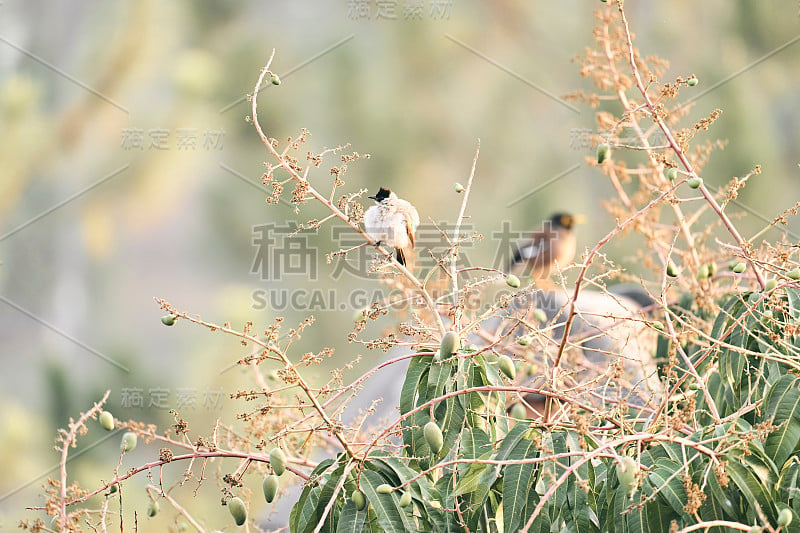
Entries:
{"x":694,"y":495}
{"x":722,"y":474}
{"x":165,"y":455}
{"x":299,"y":194}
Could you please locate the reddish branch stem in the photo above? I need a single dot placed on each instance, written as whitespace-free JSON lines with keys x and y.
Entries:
{"x":68,"y":442}
{"x":195,"y":455}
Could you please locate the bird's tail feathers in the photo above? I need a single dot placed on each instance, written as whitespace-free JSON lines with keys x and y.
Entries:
{"x":405,"y":257}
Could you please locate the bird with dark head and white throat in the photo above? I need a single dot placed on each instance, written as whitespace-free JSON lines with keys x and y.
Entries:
{"x":393,"y":222}
{"x":554,"y":244}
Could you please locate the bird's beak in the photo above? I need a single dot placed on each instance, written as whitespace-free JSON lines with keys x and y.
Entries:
{"x":579,"y":219}
{"x":373,"y":198}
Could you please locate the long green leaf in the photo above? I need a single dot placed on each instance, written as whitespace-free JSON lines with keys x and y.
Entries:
{"x":787,"y":485}
{"x":391,"y":516}
{"x":578,"y":511}
{"x":517,"y":482}
{"x":511,"y":440}
{"x":783,"y":405}
{"x":351,"y":520}
{"x":479,"y":478}
{"x":665,"y":480}
{"x":416,"y":369}
{"x":725,"y":498}
{"x":439,"y":375}
{"x":452,"y":423}
{"x":752,"y":490}
{"x":303,"y":511}
{"x":658,"y":517}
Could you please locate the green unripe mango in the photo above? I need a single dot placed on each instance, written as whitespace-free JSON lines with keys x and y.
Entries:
{"x":153,"y":508}
{"x":458,"y":187}
{"x":275,"y":79}
{"x":168,"y":320}
{"x":506,"y":365}
{"x":384,"y":489}
{"x":359,"y":499}
{"x":784,"y":517}
{"x":739,"y":268}
{"x":107,"y":421}
{"x":626,"y":473}
{"x":513,"y":281}
{"x":270,"y":487}
{"x":771,"y":284}
{"x":671,"y":173}
{"x":539,"y":315}
{"x":702,"y":272}
{"x":793,"y":273}
{"x":694,"y":182}
{"x":672,"y":270}
{"x":405,"y":499}
{"x":524,"y":340}
{"x":657,"y":324}
{"x":691,"y":82}
{"x":603,"y":151}
{"x":449,"y":345}
{"x":278,"y":461}
{"x":433,"y":436}
{"x":128,"y":442}
{"x":238,"y":510}
{"x":518,"y":411}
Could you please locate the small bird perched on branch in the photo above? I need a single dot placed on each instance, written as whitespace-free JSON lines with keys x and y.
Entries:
{"x":393,"y":222}
{"x":554,"y":243}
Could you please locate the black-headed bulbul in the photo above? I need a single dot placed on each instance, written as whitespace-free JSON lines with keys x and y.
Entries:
{"x":392,"y":221}
{"x":554,"y":243}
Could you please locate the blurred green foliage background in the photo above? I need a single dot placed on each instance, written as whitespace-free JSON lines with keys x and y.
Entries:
{"x":93,"y":226}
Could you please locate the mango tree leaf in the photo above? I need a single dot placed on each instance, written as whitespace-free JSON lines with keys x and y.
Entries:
{"x":783,"y":403}
{"x":417,"y":369}
{"x":752,"y":490}
{"x":725,"y":498}
{"x":351,"y":520}
{"x":478,"y":478}
{"x":302,"y":513}
{"x":659,"y":516}
{"x":517,"y":482}
{"x":451,"y":423}
{"x":788,"y":480}
{"x":439,"y":375}
{"x":665,"y":480}
{"x":391,"y":517}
